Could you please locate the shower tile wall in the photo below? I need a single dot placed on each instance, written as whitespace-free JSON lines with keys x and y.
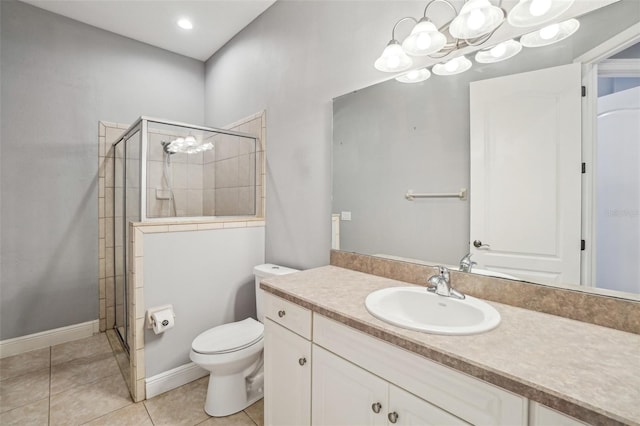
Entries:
{"x":187,"y":181}
{"x":235,"y":167}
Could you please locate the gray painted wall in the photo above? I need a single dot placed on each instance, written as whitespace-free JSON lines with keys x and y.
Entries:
{"x":292,"y":61}
{"x":59,"y":78}
{"x":192,"y":271}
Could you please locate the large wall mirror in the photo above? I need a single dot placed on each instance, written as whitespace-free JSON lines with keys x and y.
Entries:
{"x":393,"y":138}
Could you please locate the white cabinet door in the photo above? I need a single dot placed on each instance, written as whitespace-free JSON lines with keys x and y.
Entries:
{"x":287,"y":377}
{"x":413,"y":411}
{"x":344,"y":394}
{"x":544,"y":416}
{"x":525,"y":174}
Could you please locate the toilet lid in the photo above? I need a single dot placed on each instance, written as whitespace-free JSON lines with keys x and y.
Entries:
{"x":229,"y":337}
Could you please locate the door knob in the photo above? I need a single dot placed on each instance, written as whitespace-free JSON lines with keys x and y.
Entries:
{"x":393,"y":417}
{"x":478,"y":244}
{"x":376,"y":407}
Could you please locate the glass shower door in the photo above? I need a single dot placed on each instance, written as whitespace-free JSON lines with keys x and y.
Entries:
{"x":126,"y":210}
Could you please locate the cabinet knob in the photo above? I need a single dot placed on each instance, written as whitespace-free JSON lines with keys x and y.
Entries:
{"x":281,"y":313}
{"x":302,"y":361}
{"x":393,"y":417}
{"x":376,"y":407}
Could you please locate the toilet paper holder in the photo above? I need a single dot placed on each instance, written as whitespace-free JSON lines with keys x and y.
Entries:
{"x":149,"y":321}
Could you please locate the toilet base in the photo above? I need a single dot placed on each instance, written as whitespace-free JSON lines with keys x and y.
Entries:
{"x":228,"y":395}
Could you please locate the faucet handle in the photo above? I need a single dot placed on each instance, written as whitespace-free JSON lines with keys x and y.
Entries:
{"x":443,"y":272}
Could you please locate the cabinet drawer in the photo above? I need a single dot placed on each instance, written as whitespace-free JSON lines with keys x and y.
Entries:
{"x":289,"y":315}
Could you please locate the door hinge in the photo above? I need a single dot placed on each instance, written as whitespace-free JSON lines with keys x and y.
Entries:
{"x":584,"y":91}
{"x":583,"y":245}
{"x":584,"y":167}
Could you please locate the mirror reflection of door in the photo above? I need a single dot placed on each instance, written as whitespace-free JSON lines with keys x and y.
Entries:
{"x":526,"y":174}
{"x":617,"y":162}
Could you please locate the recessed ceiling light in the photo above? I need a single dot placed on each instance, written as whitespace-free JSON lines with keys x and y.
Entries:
{"x":185,"y":24}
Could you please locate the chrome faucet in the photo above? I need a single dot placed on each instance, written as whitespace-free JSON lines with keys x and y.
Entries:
{"x":440,"y":284}
{"x":466,"y":264}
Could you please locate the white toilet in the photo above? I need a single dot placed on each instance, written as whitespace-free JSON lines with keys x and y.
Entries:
{"x":233,"y":354}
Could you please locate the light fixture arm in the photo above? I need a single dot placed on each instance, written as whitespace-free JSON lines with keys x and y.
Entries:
{"x":426,"y":8}
{"x":393,"y":31}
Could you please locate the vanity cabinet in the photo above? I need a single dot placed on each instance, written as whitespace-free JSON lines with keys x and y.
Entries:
{"x":287,"y":363}
{"x":345,"y":394}
{"x":544,"y":416}
{"x":321,"y":372}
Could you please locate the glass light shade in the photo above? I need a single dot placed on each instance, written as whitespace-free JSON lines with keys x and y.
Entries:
{"x":528,"y":13}
{"x":454,"y":66}
{"x":414,"y":76}
{"x":550,"y":34}
{"x":393,"y":59}
{"x":424,"y":39}
{"x":476,"y":18}
{"x":500,"y":52}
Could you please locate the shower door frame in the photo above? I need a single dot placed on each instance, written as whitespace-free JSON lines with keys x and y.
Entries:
{"x":141,"y":125}
{"x":143,"y":122}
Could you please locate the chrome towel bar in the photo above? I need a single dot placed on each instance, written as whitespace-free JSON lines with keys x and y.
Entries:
{"x":411,"y":196}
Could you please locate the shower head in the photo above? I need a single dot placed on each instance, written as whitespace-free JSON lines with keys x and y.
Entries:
{"x":186,"y":145}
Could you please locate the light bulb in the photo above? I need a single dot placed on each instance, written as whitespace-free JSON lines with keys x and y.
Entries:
{"x":539,"y":7}
{"x":423,"y":41}
{"x":498,"y":50}
{"x":549,"y":32}
{"x":451,"y":66}
{"x":185,"y":24}
{"x":476,"y":19}
{"x":393,"y":61}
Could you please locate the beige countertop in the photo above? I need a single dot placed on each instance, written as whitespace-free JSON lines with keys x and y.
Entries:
{"x":584,"y":370}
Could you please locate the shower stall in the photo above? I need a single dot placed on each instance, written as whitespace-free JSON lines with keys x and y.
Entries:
{"x":171,"y":172}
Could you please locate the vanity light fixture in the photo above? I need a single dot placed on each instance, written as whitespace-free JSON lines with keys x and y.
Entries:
{"x":394,"y":58}
{"x":477,"y":18}
{"x":424,"y":39}
{"x":528,"y":13}
{"x":414,"y":76}
{"x":474,"y":25}
{"x":452,"y":67}
{"x":499,"y":52}
{"x":550,"y":34}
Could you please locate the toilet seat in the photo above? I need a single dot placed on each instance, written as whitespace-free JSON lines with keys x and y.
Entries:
{"x":228,"y":338}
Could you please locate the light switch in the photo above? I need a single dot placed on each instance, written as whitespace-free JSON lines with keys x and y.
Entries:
{"x":345,"y":215}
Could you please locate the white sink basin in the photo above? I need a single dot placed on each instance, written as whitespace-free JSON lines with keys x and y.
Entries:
{"x":415,"y":308}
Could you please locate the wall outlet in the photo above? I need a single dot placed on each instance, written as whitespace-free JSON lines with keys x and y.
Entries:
{"x":345,"y":215}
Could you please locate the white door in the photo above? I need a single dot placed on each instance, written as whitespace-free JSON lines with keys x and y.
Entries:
{"x":618,"y":192}
{"x":413,"y":411}
{"x":526,"y":174}
{"x":287,"y":377}
{"x":344,"y":394}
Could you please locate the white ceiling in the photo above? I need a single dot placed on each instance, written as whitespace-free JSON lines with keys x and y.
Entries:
{"x":154,"y":21}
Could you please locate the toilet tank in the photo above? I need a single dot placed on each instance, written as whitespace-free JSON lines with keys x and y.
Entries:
{"x":264,"y":271}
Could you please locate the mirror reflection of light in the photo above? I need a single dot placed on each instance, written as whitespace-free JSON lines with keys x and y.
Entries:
{"x":452,"y":65}
{"x":549,"y":32}
{"x":498,"y":51}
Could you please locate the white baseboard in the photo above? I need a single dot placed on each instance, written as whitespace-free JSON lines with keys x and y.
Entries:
{"x":172,"y":379}
{"x":44,"y":339}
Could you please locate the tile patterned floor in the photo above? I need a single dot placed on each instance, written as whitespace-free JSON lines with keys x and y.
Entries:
{"x":79,"y":383}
